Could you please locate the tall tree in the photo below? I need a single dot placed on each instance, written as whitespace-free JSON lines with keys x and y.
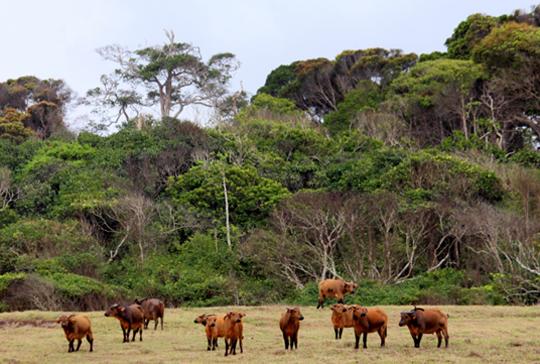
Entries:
{"x":173,"y":76}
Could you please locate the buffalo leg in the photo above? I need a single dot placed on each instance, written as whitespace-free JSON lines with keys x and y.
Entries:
{"x":126,"y":335}
{"x":233,"y":344}
{"x":340,"y":332}
{"x":357,"y":340}
{"x":321,"y":302}
{"x":70,"y":346}
{"x":209,"y":345}
{"x":286,"y":340}
{"x":336,"y":330}
{"x":79,"y":342}
{"x":414,"y":339}
{"x":214,"y":343}
{"x":140,"y":334}
{"x":156,"y":321}
{"x":295,"y":341}
{"x":226,"y":347}
{"x":364,"y":340}
{"x":382,"y":335}
{"x":241,"y":348}
{"x":446,"y":337}
{"x":439,"y":338}
{"x":90,"y":341}
{"x":419,"y":339}
{"x":161,"y":322}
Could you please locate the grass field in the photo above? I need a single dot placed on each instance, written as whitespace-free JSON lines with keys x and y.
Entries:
{"x":478,"y":334}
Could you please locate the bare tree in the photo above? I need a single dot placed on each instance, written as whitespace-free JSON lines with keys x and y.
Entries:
{"x":8,"y":192}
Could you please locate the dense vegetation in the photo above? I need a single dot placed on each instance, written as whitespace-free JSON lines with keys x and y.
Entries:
{"x":416,"y":176}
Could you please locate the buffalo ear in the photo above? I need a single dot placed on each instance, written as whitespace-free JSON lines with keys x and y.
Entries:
{"x":242,"y":315}
{"x":121,"y":308}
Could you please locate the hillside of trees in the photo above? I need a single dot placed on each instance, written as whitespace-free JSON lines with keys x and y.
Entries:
{"x":417,"y":176}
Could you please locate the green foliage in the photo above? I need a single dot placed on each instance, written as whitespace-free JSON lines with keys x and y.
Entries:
{"x":12,"y":125}
{"x":426,"y":81}
{"x":26,"y":241}
{"x":270,"y":105}
{"x":468,"y":34}
{"x":13,"y":155}
{"x":443,"y":175}
{"x":250,"y":196}
{"x":510,"y":45}
{"x":527,"y":157}
{"x":281,"y":82}
{"x":365,"y":96}
{"x":73,"y":286}
{"x":7,"y":279}
{"x":197,"y":273}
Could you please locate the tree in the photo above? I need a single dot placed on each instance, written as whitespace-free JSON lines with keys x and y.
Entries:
{"x":302,"y":243}
{"x":173,"y":75}
{"x":12,"y":125}
{"x":43,"y":101}
{"x":438,"y":97}
{"x":468,"y":34}
{"x":319,"y":85}
{"x":112,"y":95}
{"x":511,"y":98}
{"x":510,"y":45}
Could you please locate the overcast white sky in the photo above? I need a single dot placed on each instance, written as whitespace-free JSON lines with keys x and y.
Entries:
{"x":58,"y":38}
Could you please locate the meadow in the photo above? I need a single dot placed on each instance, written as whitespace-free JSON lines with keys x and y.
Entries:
{"x":478,"y":334}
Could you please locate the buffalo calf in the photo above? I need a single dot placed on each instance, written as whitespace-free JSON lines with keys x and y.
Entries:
{"x":289,"y":325}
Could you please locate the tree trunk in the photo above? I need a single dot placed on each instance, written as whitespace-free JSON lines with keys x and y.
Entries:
{"x":227,"y":223}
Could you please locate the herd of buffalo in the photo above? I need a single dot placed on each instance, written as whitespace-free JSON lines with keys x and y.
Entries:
{"x":133,"y":318}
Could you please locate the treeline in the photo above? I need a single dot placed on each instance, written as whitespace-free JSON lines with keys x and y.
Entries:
{"x":415,"y":176}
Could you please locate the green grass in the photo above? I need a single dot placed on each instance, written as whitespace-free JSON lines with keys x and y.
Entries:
{"x":478,"y":334}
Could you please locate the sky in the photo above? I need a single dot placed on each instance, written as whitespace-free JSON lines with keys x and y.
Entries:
{"x":59,"y":38}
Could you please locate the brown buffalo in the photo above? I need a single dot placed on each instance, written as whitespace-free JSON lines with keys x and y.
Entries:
{"x":342,"y":317}
{"x":131,"y":318}
{"x":289,"y":325}
{"x":214,"y":327}
{"x":420,"y":321}
{"x":334,"y":288}
{"x":233,"y":332}
{"x":367,"y":321}
{"x":75,"y":328}
{"x":154,"y":309}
